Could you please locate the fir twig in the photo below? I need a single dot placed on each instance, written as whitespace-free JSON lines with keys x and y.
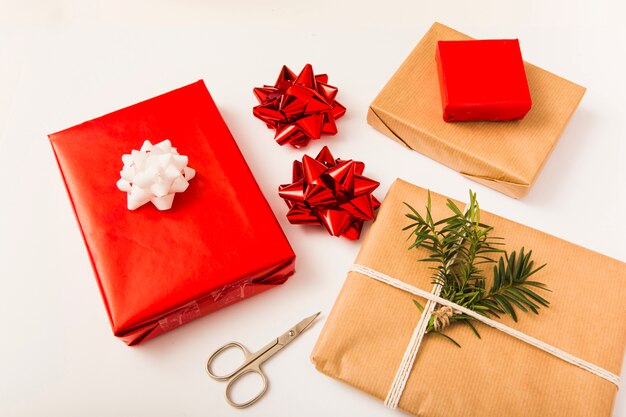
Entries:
{"x":461,"y":247}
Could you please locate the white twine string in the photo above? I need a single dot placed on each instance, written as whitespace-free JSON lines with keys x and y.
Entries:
{"x":408,"y":359}
{"x":402,"y":375}
{"x":404,"y":370}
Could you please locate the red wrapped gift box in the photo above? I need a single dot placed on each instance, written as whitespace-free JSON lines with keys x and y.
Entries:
{"x":218,"y":244}
{"x":482,"y":80}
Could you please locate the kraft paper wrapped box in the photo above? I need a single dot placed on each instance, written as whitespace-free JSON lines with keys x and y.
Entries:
{"x":506,"y":156}
{"x":219,"y":243}
{"x":371,"y":323}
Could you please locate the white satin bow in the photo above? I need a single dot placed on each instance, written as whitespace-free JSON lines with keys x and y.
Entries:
{"x":154,"y":173}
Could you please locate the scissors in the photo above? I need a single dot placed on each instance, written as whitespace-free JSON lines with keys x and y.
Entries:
{"x":252,"y":361}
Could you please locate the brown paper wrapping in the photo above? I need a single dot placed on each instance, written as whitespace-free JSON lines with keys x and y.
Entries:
{"x":371,"y":323}
{"x":506,"y":156}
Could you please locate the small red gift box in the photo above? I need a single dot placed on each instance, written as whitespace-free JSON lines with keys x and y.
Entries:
{"x":218,"y":244}
{"x":482,"y":80}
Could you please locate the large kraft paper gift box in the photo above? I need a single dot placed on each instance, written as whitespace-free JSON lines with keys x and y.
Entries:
{"x":371,"y":323}
{"x":506,"y":156}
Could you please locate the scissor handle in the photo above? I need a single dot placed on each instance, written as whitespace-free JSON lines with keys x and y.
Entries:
{"x":246,"y":358}
{"x":252,"y":368}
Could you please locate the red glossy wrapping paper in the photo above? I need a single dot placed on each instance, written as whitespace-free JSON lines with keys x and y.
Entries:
{"x":482,"y":80}
{"x":218,"y":244}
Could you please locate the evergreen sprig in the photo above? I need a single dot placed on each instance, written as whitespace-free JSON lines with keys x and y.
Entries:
{"x":461,"y":249}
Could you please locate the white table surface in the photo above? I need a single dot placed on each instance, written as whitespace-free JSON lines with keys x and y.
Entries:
{"x":63,"y":62}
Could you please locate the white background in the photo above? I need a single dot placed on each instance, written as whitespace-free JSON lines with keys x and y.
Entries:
{"x":63,"y":62}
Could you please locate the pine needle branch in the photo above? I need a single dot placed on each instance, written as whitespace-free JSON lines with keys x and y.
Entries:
{"x":460,"y":250}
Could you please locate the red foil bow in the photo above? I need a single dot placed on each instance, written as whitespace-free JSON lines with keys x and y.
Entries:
{"x":330,"y":192}
{"x":299,"y":108}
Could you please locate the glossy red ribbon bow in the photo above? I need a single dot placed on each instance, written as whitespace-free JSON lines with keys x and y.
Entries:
{"x":299,"y":108}
{"x":330,"y":192}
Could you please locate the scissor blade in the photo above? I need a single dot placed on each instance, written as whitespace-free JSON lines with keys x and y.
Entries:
{"x":292,"y":333}
{"x":304,"y":324}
